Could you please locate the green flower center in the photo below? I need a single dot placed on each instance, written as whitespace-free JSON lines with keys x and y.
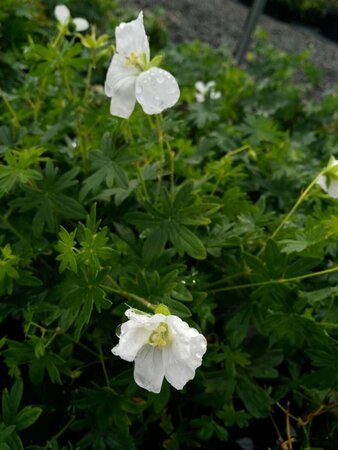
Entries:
{"x":161,"y":336}
{"x":137,"y":60}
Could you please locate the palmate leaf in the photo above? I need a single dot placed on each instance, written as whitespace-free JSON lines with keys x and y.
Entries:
{"x":171,"y":220}
{"x":49,"y":201}
{"x":18,"y":169}
{"x":79,"y":294}
{"x":19,"y":353}
{"x":107,"y":168}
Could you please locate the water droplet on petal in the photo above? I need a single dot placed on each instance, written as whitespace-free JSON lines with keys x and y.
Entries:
{"x":118,"y":330}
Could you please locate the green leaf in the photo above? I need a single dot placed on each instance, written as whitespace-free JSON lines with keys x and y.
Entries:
{"x":26,"y":417}
{"x":66,"y":248}
{"x":256,"y":400}
{"x":185,"y":240}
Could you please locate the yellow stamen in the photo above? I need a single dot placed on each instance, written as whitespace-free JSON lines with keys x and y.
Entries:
{"x":161,"y":336}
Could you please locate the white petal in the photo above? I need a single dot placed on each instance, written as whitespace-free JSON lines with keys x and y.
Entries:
{"x":62,"y":14}
{"x":188,"y":344}
{"x":322,"y":182}
{"x":201,"y":87}
{"x":148,"y":370}
{"x":185,"y":354}
{"x":131,"y":38}
{"x":81,"y":24}
{"x":120,"y":86}
{"x":176,"y":371}
{"x":131,"y":341}
{"x":199,"y":97}
{"x":214,"y":95}
{"x":210,"y":85}
{"x":135,"y":333}
{"x":333,"y":189}
{"x":156,"y":90}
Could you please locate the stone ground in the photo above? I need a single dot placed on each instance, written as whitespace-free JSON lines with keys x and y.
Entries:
{"x":222,"y":21}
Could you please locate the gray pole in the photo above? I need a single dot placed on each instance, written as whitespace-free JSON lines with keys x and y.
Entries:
{"x":250,"y":24}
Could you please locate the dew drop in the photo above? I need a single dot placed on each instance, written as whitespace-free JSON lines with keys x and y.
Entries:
{"x":118,"y":330}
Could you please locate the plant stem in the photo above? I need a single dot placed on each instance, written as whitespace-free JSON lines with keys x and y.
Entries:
{"x":128,"y":295}
{"x":229,"y":155}
{"x":142,"y":182}
{"x":88,"y":80}
{"x":10,"y":109}
{"x":300,"y":199}
{"x":104,"y":367}
{"x":158,"y":119}
{"x":279,"y":281}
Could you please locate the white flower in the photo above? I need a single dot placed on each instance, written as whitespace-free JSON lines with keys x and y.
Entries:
{"x":205,"y":90}
{"x":63,"y":16}
{"x":130,"y":76}
{"x":329,"y":181}
{"x":161,"y":346}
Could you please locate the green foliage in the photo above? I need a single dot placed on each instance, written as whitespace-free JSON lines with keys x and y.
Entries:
{"x":189,"y":210}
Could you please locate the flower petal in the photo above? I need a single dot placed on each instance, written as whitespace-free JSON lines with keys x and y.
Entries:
{"x":188,"y":344}
{"x":156,"y":90}
{"x":322,"y":182}
{"x":199,"y":97}
{"x":185,"y":354}
{"x":177,"y":372}
{"x":81,"y":24}
{"x":131,"y":38}
{"x":135,"y":333}
{"x":332,"y":188}
{"x":201,"y":87}
{"x":120,"y":86}
{"x":62,"y":14}
{"x":148,"y":370}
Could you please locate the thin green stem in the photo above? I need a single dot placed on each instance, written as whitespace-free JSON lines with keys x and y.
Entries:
{"x":103,"y":365}
{"x":63,"y":429}
{"x":227,"y":156}
{"x":10,"y":109}
{"x":128,"y":295}
{"x":61,"y":33}
{"x":302,"y":197}
{"x":158,"y":119}
{"x":142,"y":182}
{"x":88,"y":80}
{"x":279,"y":281}
{"x":172,"y":168}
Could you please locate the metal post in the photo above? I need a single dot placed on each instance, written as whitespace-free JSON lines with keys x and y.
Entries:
{"x":249,"y":26}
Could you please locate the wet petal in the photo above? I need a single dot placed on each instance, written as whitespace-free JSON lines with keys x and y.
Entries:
{"x":188,"y":344}
{"x":131,"y":38}
{"x":62,"y":14}
{"x":156,"y":90}
{"x":131,"y":341}
{"x":120,"y":86}
{"x":149,"y":371}
{"x":81,"y":24}
{"x":185,"y":354}
{"x":135,"y":333}
{"x":177,"y":372}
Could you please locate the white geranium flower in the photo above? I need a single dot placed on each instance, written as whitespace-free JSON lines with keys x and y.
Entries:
{"x":162,"y":346}
{"x":63,"y":16}
{"x":206,"y":90}
{"x":329,"y":181}
{"x":131,"y":77}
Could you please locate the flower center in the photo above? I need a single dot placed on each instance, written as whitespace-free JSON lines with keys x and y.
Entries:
{"x":161,"y":336}
{"x":137,"y":60}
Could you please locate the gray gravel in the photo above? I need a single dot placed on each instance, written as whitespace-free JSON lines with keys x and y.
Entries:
{"x":222,"y":21}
